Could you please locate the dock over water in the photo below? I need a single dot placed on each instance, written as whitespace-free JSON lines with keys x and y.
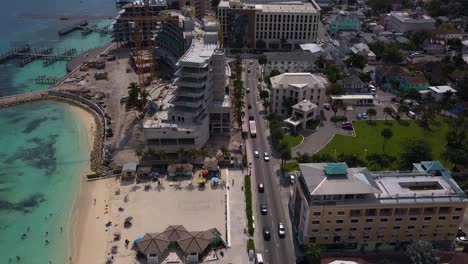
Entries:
{"x":11,"y":54}
{"x":72,"y":28}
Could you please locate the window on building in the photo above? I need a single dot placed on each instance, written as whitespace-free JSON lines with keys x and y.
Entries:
{"x":369,"y":220}
{"x":383,"y":219}
{"x":442,"y":217}
{"x":396,"y":228}
{"x":398,"y":219}
{"x":410,"y":227}
{"x":413,"y":219}
{"x":339,"y":221}
{"x":317,"y":213}
{"x":315,"y":222}
{"x":354,"y":220}
{"x":315,"y":230}
{"x":456,"y":217}
{"x":427,"y":218}
{"x":458,"y":209}
{"x":367,"y":228}
{"x":353,"y":229}
{"x":341,"y":212}
{"x":312,"y":239}
{"x":338,"y":229}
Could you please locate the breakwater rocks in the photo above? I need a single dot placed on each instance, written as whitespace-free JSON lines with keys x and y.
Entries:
{"x":96,"y":155}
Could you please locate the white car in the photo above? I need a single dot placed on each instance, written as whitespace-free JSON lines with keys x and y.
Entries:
{"x":266,"y":157}
{"x":291,"y":178}
{"x":461,"y":240}
{"x":364,"y":115}
{"x":256,"y":154}
{"x":281,"y":230}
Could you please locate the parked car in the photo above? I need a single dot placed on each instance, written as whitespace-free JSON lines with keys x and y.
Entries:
{"x":395,"y":115}
{"x":364,"y":115}
{"x":256,"y":154}
{"x":411,"y":114}
{"x":261,"y":189}
{"x":292,"y":178}
{"x":460,"y":233}
{"x":266,"y":233}
{"x":461,"y":240}
{"x":263,"y":209}
{"x":347,"y":125}
{"x":326,"y":106}
{"x":281,"y":230}
{"x":266,"y":157}
{"x":359,"y":116}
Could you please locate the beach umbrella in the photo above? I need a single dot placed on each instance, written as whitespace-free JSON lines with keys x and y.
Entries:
{"x":128,"y":219}
{"x":204,"y":172}
{"x":138,"y":239}
{"x":215,"y":179}
{"x":117,"y":233}
{"x":201,"y":180}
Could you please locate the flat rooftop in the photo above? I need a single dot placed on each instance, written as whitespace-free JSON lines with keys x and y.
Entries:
{"x":276,"y":6}
{"x":411,"y":18}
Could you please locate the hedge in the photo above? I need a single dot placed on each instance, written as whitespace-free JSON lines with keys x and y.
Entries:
{"x":250,"y":245}
{"x":248,"y":204}
{"x":338,"y":118}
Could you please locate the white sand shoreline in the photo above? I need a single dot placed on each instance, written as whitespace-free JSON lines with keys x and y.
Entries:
{"x":87,"y":240}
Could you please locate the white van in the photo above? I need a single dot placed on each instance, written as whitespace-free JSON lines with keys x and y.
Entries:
{"x":259,"y":259}
{"x":372,"y":89}
{"x":411,"y":114}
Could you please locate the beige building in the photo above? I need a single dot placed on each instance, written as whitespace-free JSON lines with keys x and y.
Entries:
{"x":288,"y":89}
{"x":268,"y":24}
{"x":406,"y":22}
{"x":354,"y":208}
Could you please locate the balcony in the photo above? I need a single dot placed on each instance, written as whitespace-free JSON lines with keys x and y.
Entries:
{"x":188,"y":82}
{"x":188,"y":102}
{"x":189,"y":92}
{"x":185,"y":72}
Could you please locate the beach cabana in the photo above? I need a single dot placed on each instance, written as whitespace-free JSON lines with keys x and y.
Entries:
{"x":174,"y":170}
{"x":129,"y":171}
{"x":144,"y":172}
{"x":153,"y":247}
{"x":211,"y":164}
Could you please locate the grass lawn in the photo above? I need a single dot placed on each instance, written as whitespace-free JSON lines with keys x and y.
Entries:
{"x":293,"y":141}
{"x":369,"y":137}
{"x":291,"y":166}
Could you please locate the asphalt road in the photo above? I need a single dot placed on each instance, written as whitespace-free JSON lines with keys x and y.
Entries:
{"x":277,"y":250}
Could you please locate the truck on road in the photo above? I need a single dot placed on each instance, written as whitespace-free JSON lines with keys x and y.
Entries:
{"x":253,"y":129}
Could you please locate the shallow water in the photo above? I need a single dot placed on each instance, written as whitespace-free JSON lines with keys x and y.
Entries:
{"x":41,"y":152}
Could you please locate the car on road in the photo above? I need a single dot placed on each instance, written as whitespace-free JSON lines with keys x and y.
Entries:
{"x":266,"y":157}
{"x":251,"y":62}
{"x":326,"y":106}
{"x":251,"y":118}
{"x":247,"y":90}
{"x":256,"y":154}
{"x":266,"y":233}
{"x":461,"y":240}
{"x":248,"y":71}
{"x":460,"y":233}
{"x":364,"y":115}
{"x":261,"y":188}
{"x":249,"y":106}
{"x":347,"y":125}
{"x":281,"y":230}
{"x":263,"y":209}
{"x":395,"y":115}
{"x":259,"y":258}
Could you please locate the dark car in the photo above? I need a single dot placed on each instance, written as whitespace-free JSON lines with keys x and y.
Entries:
{"x":249,"y":106}
{"x":266,"y":233}
{"x":395,"y":115}
{"x":261,"y":188}
{"x":263,"y":209}
{"x":347,"y":125}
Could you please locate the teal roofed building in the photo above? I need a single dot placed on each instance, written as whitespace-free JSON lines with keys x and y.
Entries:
{"x":396,"y":78}
{"x":344,"y":22}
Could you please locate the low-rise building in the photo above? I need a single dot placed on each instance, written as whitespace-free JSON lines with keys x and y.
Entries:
{"x":394,"y":78}
{"x":302,"y":113}
{"x":344,"y":22}
{"x":354,"y":85}
{"x":337,"y":206}
{"x":363,"y":50}
{"x":439,"y":93}
{"x":288,"y":89}
{"x":289,"y":62}
{"x":446,"y":34}
{"x":406,"y":22}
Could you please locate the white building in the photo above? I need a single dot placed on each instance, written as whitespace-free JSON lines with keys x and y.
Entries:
{"x":405,"y":22}
{"x":302,"y":113}
{"x":268,"y":24}
{"x":289,"y":62}
{"x":439,"y":92}
{"x":363,"y":50}
{"x":288,"y":89}
{"x":199,"y":106}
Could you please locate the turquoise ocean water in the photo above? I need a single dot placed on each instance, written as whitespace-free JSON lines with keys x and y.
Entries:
{"x":41,"y":150}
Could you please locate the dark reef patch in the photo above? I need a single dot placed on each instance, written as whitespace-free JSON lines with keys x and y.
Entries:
{"x":40,"y":153}
{"x":25,"y":205}
{"x":34,"y":124}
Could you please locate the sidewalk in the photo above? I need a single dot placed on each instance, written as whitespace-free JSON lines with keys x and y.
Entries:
{"x":237,"y":239}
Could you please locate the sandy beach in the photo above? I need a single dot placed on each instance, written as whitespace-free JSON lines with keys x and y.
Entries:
{"x":88,"y":235}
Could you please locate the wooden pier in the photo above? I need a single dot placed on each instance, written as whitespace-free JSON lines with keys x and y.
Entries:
{"x":64,"y":56}
{"x":72,"y":28}
{"x":47,"y":80}
{"x":87,"y":30}
{"x":13,"y":53}
{"x":30,"y":57}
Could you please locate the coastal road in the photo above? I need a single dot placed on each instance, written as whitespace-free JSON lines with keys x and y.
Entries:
{"x":277,"y":250}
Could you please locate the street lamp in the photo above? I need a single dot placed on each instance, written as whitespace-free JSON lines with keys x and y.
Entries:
{"x":365,"y":153}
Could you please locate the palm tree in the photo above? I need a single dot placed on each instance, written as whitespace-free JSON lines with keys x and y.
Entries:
{"x":224,"y":151}
{"x":264,"y":94}
{"x":266,"y":105}
{"x":285,"y":156}
{"x":402,"y":109}
{"x":203,"y":153}
{"x":313,"y":253}
{"x":344,"y":106}
{"x":371,"y":112}
{"x":387,"y":111}
{"x":139,"y":153}
{"x":150,"y":153}
{"x":162,"y":154}
{"x":181,"y":151}
{"x":386,"y":133}
{"x":193,"y":152}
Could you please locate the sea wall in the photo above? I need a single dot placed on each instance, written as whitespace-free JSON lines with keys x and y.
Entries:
{"x":96,"y":155}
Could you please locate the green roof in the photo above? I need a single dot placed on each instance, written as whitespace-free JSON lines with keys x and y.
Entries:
{"x":336,"y":168}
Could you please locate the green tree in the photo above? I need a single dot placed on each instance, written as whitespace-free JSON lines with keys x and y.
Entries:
{"x":193,"y":153}
{"x":264,"y":94}
{"x":415,"y":150}
{"x":285,"y":155}
{"x":262,"y":60}
{"x":203,"y":153}
{"x":387,"y":111}
{"x":132,"y":99}
{"x":313,"y":253}
{"x":403,"y":109}
{"x":260,"y":44}
{"x":456,"y":148}
{"x":139,"y":153}
{"x":419,"y":37}
{"x":332,"y":72}
{"x":392,"y":54}
{"x":181,"y":151}
{"x":320,"y":62}
{"x":421,"y":252}
{"x":335,"y":89}
{"x":456,"y":44}
{"x":371,"y":112}
{"x":356,"y":60}
{"x":162,"y":154}
{"x":387,"y":134}
{"x":266,"y":105}
{"x":150,"y":153}
{"x":365,"y":77}
{"x":378,"y":48}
